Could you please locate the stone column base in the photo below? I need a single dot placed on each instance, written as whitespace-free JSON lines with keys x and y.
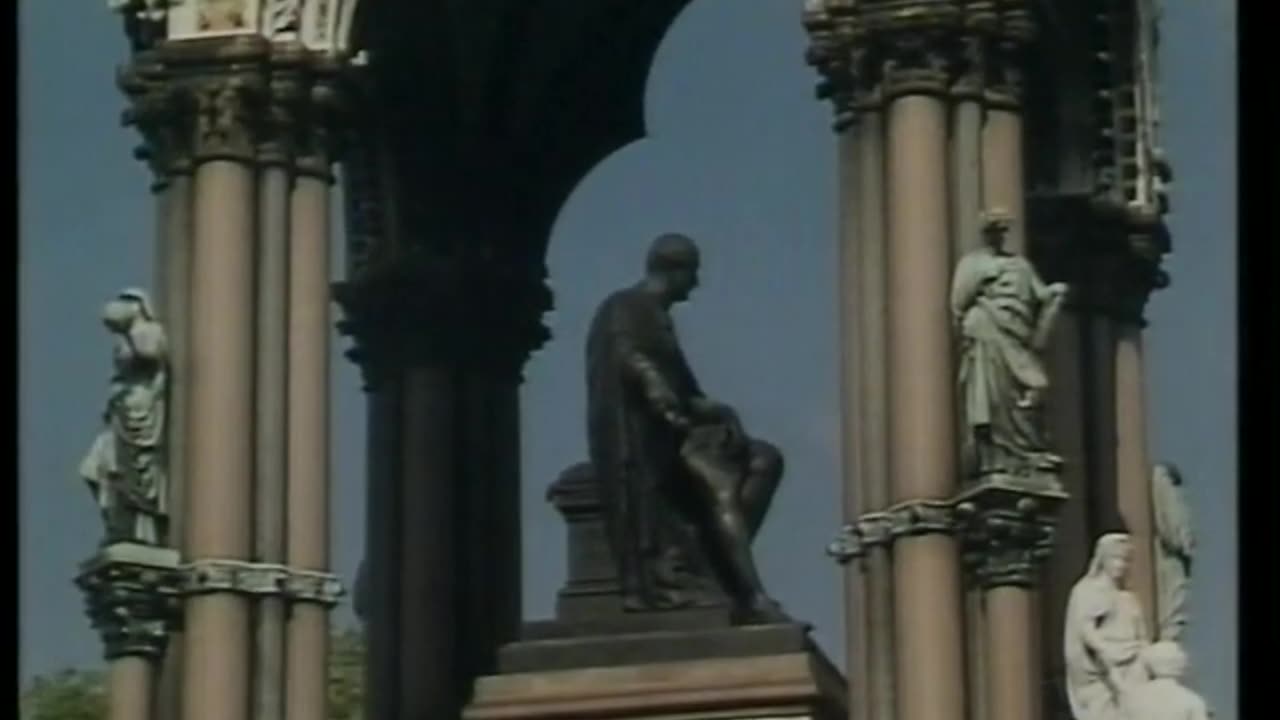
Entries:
{"x":789,"y":686}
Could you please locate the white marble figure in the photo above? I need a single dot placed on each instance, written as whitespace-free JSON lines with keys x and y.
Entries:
{"x":1003,"y":313}
{"x":1104,"y":635}
{"x":1174,"y":549}
{"x":1164,"y":697}
{"x":125,"y":466}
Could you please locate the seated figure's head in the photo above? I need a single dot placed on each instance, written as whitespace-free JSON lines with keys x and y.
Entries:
{"x":1165,"y":659}
{"x":1111,"y":556}
{"x":672,"y":265}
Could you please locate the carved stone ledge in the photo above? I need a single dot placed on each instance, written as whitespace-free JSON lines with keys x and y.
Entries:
{"x":1007,"y":532}
{"x":132,"y":595}
{"x":260,"y":579}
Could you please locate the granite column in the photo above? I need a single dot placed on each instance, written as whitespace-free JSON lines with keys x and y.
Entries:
{"x":272,"y":391}
{"x":922,"y":448}
{"x":308,"y":479}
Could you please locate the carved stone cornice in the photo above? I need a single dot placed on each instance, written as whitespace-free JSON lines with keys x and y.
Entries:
{"x":422,"y":309}
{"x":132,"y":595}
{"x":1007,"y":532}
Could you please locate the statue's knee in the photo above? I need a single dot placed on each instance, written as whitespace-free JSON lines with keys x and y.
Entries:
{"x":766,"y":460}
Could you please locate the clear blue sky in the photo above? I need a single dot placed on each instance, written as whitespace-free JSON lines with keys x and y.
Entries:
{"x":741,"y":158}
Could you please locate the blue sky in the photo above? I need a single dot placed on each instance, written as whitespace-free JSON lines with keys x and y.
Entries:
{"x":740,"y":157}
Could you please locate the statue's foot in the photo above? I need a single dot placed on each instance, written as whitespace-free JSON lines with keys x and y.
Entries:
{"x":762,"y":610}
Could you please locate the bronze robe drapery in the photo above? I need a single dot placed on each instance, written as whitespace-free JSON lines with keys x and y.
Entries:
{"x":633,"y":357}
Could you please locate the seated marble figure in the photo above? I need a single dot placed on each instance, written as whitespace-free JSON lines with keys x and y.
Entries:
{"x":684,"y":489}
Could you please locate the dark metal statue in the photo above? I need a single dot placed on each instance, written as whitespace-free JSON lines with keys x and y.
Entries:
{"x":679,"y":478}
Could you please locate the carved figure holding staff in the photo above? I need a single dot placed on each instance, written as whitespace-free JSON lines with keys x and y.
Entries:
{"x":1004,"y":314}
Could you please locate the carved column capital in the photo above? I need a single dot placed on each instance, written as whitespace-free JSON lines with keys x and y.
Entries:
{"x":283,"y":102}
{"x":132,"y":595}
{"x":837,"y":50}
{"x":883,"y":528}
{"x":160,"y":113}
{"x":423,"y":309}
{"x":1007,"y":533}
{"x":227,"y":115}
{"x":970,"y":62}
{"x":320,"y":126}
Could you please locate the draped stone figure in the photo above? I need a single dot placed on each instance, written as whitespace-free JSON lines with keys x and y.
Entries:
{"x":125,"y":465}
{"x":1104,"y":635}
{"x":1175,"y":545}
{"x":1004,"y":314}
{"x":684,"y":489}
{"x":1164,"y":697}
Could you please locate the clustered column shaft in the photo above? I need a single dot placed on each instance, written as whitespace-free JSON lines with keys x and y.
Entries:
{"x":247,"y":304}
{"x":927,"y":103}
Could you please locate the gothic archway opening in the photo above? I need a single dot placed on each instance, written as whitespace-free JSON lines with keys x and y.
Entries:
{"x":734,"y":157}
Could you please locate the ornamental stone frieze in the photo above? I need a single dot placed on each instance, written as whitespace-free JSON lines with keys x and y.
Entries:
{"x":320,"y":25}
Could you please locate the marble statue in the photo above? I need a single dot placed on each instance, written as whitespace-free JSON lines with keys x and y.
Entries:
{"x":1164,"y":697}
{"x":1004,"y":314}
{"x":125,"y":465}
{"x":1104,"y":635}
{"x":678,"y":475}
{"x":1174,"y":547}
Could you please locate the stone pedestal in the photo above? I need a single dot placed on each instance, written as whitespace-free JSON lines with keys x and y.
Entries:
{"x":596,"y":660}
{"x":132,"y":592}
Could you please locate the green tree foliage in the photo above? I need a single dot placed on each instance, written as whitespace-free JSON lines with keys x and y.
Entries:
{"x":346,"y":675}
{"x":67,"y":695}
{"x":82,"y":694}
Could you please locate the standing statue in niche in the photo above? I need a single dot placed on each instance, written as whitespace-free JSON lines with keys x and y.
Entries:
{"x":1164,"y":697}
{"x":1174,"y":546}
{"x":1104,"y":636}
{"x":1004,"y":314}
{"x":125,"y":466}
{"x":678,"y":475}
